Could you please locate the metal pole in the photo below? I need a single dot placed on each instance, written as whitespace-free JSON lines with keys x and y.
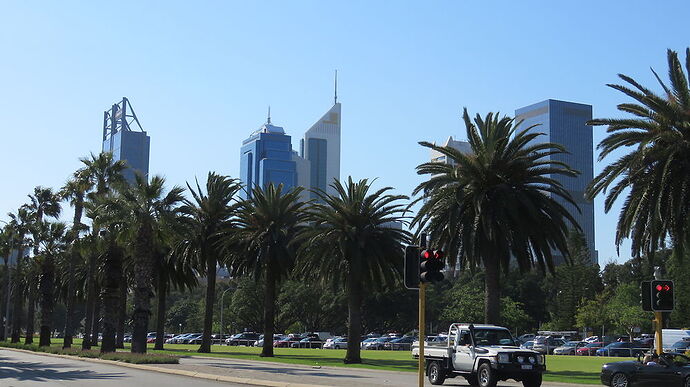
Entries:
{"x":9,"y":287}
{"x":422,"y":325}
{"x":222,"y":297}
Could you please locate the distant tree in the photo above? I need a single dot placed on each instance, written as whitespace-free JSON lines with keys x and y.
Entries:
{"x":624,"y":308}
{"x":594,"y":313}
{"x":246,"y":307}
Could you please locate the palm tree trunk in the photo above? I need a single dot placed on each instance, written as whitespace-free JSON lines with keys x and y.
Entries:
{"x":18,"y":301}
{"x":90,"y":301}
{"x":208,"y":307}
{"x":492,"y":289}
{"x":111,"y":297}
{"x":142,"y":288}
{"x":354,"y":321}
{"x":160,"y":313}
{"x":269,"y":312}
{"x":47,"y":288}
{"x":96,"y":325}
{"x":122,"y":314}
{"x":30,"y":314}
{"x":73,"y":258}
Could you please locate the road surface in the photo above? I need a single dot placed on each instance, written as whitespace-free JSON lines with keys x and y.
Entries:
{"x":19,"y":369}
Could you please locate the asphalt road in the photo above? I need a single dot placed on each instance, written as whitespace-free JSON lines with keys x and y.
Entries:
{"x":24,"y":369}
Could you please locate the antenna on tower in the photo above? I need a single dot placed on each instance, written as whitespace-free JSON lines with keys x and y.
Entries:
{"x":335,"y":97}
{"x":269,"y":114}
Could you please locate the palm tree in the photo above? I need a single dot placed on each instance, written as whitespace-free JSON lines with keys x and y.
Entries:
{"x":75,"y":191}
{"x":209,"y":212}
{"x":42,"y":202}
{"x":352,"y":243}
{"x":20,"y":223}
{"x":146,"y":211}
{"x":103,"y":172}
{"x":262,"y":241}
{"x":657,"y":206}
{"x":497,"y":203}
{"x":52,"y":243}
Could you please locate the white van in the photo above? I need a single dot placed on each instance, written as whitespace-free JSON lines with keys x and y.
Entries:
{"x":672,"y":336}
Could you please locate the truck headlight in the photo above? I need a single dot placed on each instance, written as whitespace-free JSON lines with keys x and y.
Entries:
{"x":540,"y":359}
{"x":503,"y":358}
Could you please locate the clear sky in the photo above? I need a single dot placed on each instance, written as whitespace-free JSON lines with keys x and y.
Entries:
{"x":200,"y":76}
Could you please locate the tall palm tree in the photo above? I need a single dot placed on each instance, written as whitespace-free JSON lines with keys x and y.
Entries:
{"x":209,"y":212}
{"x":263,"y":243}
{"x":146,"y":211}
{"x":20,"y":223}
{"x":102,"y":172}
{"x":499,"y":200}
{"x":52,"y":245}
{"x":353,"y":244}
{"x":657,"y":205}
{"x":74,"y":191}
{"x":43,"y":202}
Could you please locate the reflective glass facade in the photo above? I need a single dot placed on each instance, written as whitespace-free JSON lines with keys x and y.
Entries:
{"x":132,"y":147}
{"x":565,"y":123}
{"x":266,"y":157}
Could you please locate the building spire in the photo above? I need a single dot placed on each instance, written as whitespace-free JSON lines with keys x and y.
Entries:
{"x":269,"y":115}
{"x":335,"y":96}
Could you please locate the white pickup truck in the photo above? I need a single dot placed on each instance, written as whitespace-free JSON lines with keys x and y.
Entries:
{"x":482,"y":354}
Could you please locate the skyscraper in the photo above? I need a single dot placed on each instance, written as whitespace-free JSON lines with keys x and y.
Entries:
{"x":126,"y":139}
{"x":321,"y":147}
{"x":565,"y":123}
{"x":267,"y":157}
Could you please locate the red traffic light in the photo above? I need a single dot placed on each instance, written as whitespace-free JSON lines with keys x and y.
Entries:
{"x":659,"y":288}
{"x":426,"y":254}
{"x":667,"y":288}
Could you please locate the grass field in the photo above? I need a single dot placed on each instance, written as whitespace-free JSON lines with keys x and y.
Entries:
{"x":565,"y":369}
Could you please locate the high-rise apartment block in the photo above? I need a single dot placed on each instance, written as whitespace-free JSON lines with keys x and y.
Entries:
{"x":126,"y":139}
{"x":565,"y":123}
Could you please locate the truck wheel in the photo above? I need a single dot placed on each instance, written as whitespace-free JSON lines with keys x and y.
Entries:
{"x":435,"y":373}
{"x":532,"y":380}
{"x":486,"y":375}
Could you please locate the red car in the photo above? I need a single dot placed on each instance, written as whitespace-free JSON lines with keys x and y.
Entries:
{"x":590,"y":349}
{"x":287,"y":341}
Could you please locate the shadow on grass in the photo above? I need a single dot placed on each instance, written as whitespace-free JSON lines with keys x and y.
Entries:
{"x":40,"y":372}
{"x":573,"y":377}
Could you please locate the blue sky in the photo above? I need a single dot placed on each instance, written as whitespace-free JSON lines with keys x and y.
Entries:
{"x":200,"y":76}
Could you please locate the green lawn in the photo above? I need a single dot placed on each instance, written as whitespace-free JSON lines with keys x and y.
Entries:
{"x":566,"y":369}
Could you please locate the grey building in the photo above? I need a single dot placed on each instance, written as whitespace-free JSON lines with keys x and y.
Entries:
{"x":565,"y":123}
{"x":126,"y":139}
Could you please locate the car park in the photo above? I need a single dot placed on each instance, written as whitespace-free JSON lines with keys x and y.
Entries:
{"x":546,"y":344}
{"x":336,"y":343}
{"x":672,"y":370}
{"x":527,"y":344}
{"x":569,"y":348}
{"x":377,"y":344}
{"x":308,"y":342}
{"x":191,"y":338}
{"x":621,"y":348}
{"x":260,"y":342}
{"x":526,"y":337}
{"x":287,"y":341}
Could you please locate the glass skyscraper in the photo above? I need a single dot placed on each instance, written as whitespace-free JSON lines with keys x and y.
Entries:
{"x":126,"y":139}
{"x":565,"y":123}
{"x":321,"y":147}
{"x":267,"y":157}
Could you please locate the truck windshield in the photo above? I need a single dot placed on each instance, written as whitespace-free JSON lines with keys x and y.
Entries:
{"x":493,"y":337}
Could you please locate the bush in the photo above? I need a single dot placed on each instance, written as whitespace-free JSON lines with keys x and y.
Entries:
{"x":127,"y":357}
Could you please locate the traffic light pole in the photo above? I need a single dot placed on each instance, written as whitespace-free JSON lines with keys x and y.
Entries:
{"x":658,"y":318}
{"x":422,"y":324}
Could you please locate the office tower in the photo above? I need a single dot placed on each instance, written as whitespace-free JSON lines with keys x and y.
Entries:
{"x":267,"y":157}
{"x":321,"y":147}
{"x":126,"y":139}
{"x":565,"y":123}
{"x":462,"y":146}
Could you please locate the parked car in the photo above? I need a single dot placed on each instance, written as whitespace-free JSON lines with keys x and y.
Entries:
{"x":590,"y":349}
{"x":680,"y":346}
{"x":151,"y":337}
{"x":336,"y":343}
{"x":366,"y":342}
{"x":546,"y":344}
{"x":622,"y":348}
{"x":526,"y":337}
{"x":196,"y":339}
{"x":260,"y":342}
{"x":400,"y":344}
{"x":287,"y":341}
{"x":672,"y":370}
{"x":592,"y":339}
{"x":377,"y":343}
{"x":190,"y":338}
{"x":127,"y":339}
{"x":308,"y":342}
{"x":245,"y":338}
{"x":527,"y":344}
{"x":569,"y":348}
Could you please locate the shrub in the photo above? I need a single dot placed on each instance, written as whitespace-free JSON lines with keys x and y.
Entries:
{"x":134,"y":358}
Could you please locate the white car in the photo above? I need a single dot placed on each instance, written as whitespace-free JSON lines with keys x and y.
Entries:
{"x":336,"y":343}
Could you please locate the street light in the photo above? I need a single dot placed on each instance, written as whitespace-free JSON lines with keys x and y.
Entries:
{"x":9,"y":288}
{"x":222,"y":297}
{"x":180,"y":328}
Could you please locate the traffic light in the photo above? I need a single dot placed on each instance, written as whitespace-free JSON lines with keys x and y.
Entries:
{"x":662,"y":295}
{"x":431,"y":264}
{"x":411,"y":272}
{"x":646,"y":295}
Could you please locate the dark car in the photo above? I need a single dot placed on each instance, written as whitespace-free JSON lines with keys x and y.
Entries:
{"x":590,"y":349}
{"x":247,"y":338}
{"x":673,"y":370}
{"x":400,"y":344}
{"x":286,"y":342}
{"x":622,"y":348}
